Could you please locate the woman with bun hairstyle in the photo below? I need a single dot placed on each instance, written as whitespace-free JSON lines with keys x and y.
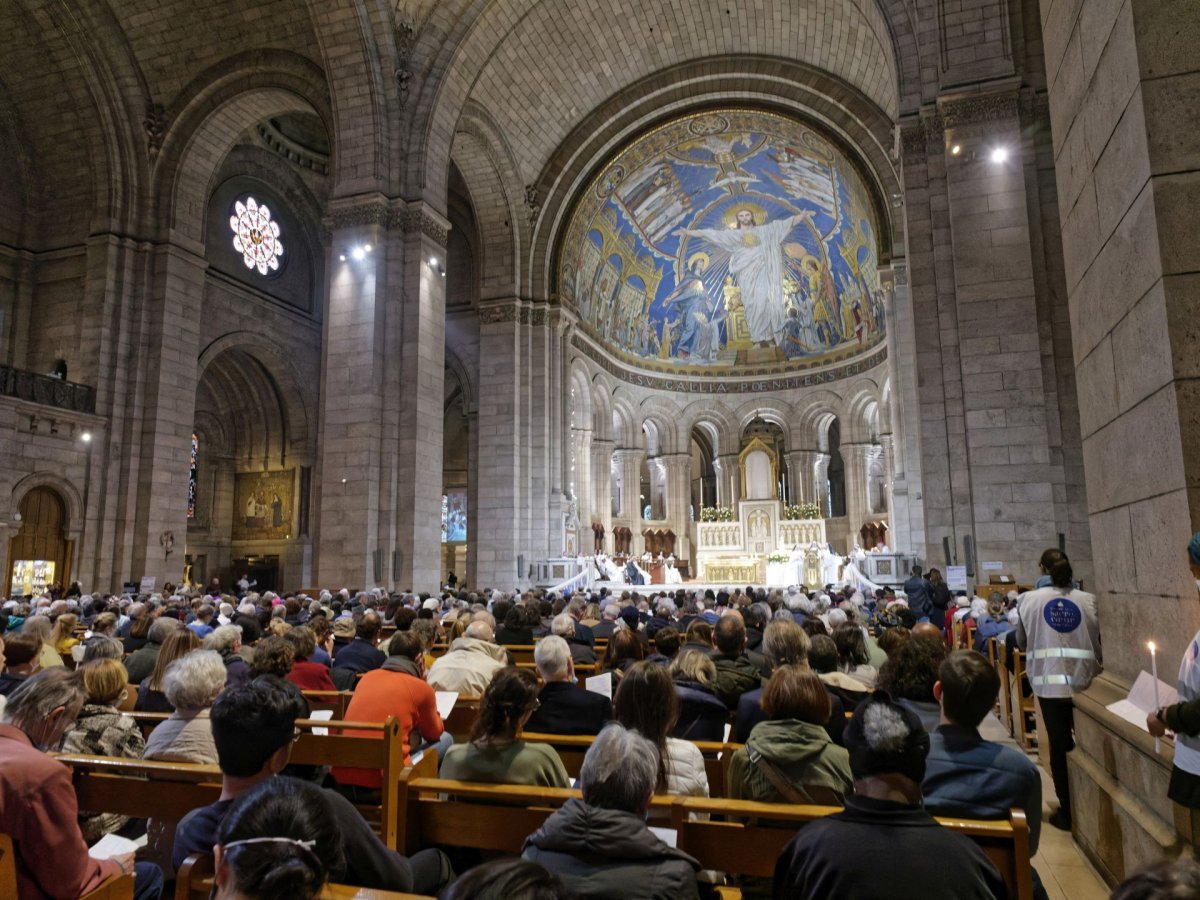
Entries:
{"x":278,"y":840}
{"x":1058,"y":629}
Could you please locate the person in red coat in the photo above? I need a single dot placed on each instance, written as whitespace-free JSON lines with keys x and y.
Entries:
{"x":37,"y":801}
{"x":398,"y":688}
{"x":307,"y":674}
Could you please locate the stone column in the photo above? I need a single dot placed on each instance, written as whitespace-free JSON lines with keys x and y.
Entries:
{"x":729,"y":487}
{"x":821,"y":482}
{"x":1127,"y":159}
{"x":801,"y":465}
{"x":602,"y":452}
{"x":380,"y":442}
{"x":857,"y":507}
{"x":679,"y":494}
{"x":473,"y":497}
{"x":907,"y":513}
{"x":164,"y":440}
{"x":579,"y":481}
{"x":630,"y":462}
{"x":501,"y":429}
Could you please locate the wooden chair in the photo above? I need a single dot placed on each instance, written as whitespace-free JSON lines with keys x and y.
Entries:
{"x":462,"y":718}
{"x":995,"y":655}
{"x":196,"y":879}
{"x":1022,"y":704}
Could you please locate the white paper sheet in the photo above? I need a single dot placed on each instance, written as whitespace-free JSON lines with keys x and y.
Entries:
{"x":600,"y":684}
{"x":111,"y":845}
{"x":321,"y":715}
{"x":445,"y":702}
{"x":1140,"y":701}
{"x":668,"y":836}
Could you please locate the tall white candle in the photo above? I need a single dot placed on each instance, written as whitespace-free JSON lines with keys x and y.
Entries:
{"x":1154,"y":675}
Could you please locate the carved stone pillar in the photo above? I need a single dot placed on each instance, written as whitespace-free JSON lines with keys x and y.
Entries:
{"x":857,"y":507}
{"x":601,"y":489}
{"x":820,"y":475}
{"x":679,"y":483}
{"x":630,"y":466}
{"x":801,"y":481}
{"x":579,"y":483}
{"x":729,"y":487}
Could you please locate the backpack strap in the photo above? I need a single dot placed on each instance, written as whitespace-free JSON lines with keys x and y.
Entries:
{"x":790,"y":792}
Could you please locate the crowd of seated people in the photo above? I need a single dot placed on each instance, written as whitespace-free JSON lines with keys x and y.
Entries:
{"x":781,"y":670}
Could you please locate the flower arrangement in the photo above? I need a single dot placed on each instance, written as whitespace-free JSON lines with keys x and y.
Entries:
{"x":778,"y":558}
{"x":716,"y":514}
{"x":802,"y":511}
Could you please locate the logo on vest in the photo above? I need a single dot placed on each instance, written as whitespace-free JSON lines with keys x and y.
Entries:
{"x":1062,"y":615}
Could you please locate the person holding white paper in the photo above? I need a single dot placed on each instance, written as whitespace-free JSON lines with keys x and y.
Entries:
{"x":37,"y":802}
{"x":1183,"y":717}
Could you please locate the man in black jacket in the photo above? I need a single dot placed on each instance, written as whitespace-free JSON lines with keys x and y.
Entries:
{"x":362,"y":654}
{"x":918,"y":591}
{"x":887,"y":748}
{"x":563,"y":707}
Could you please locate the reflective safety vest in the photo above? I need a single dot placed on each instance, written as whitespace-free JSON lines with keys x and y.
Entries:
{"x":1187,"y":747}
{"x":1061,"y":634}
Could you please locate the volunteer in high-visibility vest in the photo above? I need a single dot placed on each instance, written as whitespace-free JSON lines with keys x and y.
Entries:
{"x":1183,"y":718}
{"x":1057,"y":626}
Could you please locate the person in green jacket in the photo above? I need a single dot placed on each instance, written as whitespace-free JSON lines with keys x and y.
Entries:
{"x":736,"y":674}
{"x":495,"y":753}
{"x":789,"y":758}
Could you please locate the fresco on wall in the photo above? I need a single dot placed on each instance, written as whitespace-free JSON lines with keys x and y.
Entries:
{"x":724,"y":240}
{"x":262,"y":505}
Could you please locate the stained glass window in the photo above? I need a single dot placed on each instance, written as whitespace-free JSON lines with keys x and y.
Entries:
{"x":193,"y":477}
{"x":256,"y":235}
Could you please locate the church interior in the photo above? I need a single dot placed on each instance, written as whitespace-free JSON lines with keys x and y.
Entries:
{"x":543,"y":298}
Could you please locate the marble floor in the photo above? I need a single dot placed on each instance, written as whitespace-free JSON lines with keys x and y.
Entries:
{"x":1065,"y":871}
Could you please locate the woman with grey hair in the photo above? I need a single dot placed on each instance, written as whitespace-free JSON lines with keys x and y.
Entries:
{"x":191,"y":684}
{"x":599,"y":845}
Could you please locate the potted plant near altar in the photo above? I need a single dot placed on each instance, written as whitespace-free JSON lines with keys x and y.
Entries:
{"x":716,"y":514}
{"x":802,"y":511}
{"x":779,"y":570}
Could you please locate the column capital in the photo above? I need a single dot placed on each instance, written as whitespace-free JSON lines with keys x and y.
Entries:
{"x":628,"y":453}
{"x":377,"y":210}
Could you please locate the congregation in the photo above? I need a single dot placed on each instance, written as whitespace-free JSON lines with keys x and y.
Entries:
{"x":866,"y":706}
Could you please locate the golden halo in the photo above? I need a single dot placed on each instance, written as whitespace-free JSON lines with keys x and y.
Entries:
{"x":698,"y":257}
{"x":730,"y":216}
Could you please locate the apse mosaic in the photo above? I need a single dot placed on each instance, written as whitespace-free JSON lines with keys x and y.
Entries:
{"x":724,"y":240}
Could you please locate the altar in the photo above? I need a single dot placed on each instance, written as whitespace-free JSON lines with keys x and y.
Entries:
{"x":761,"y":546}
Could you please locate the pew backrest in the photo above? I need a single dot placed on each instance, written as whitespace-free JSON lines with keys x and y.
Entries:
{"x":197,"y":878}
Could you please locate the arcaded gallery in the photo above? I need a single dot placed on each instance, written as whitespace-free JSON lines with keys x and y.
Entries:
{"x":689,"y":444}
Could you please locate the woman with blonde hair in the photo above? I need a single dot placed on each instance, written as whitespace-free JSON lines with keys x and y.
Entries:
{"x":702,"y":715}
{"x":101,"y":730}
{"x":150,"y":695}
{"x":62,"y":636}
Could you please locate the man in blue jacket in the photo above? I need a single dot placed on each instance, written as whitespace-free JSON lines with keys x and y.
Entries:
{"x":920,"y":599}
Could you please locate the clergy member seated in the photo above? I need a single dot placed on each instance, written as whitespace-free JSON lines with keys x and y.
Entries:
{"x":254,"y":726}
{"x":600,"y":845}
{"x":468,"y":666}
{"x":564,"y":709}
{"x":966,"y":775}
{"x":362,"y":654}
{"x":887,"y":748}
{"x":37,"y":802}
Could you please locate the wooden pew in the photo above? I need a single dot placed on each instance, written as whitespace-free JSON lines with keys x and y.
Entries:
{"x":116,"y":785}
{"x":118,"y":887}
{"x":461,"y":718}
{"x":995,"y":654}
{"x":385,"y":752}
{"x":572,"y":748}
{"x":735,"y":839}
{"x":196,"y":880}
{"x":1022,"y":704}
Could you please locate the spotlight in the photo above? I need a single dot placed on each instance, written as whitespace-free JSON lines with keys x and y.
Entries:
{"x":86,"y":437}
{"x":433,"y":260}
{"x":358,"y":253}
{"x":956,"y":149}
{"x":367,"y":248}
{"x":1000,"y":155}
{"x":342,"y":257}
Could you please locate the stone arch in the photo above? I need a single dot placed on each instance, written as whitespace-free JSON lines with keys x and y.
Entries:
{"x":72,"y":499}
{"x":602,"y":412}
{"x":581,"y":396}
{"x":627,"y":428}
{"x":485,"y":162}
{"x":472,"y":53}
{"x":462,"y":374}
{"x":811,"y":427}
{"x":856,"y":426}
{"x":294,"y":405}
{"x":770,"y":409}
{"x":721,"y":422}
{"x":665,"y":416}
{"x":209,"y":118}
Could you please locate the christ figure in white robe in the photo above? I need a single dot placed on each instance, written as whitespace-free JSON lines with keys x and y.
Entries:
{"x":756,"y":263}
